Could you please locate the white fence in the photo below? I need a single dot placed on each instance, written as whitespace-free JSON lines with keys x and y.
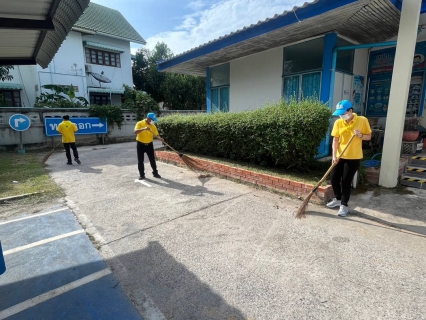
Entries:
{"x":35,"y":137}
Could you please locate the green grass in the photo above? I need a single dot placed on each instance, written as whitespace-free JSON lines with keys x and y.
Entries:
{"x":30,"y":174}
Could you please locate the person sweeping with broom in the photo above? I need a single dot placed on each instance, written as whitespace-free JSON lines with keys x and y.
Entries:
{"x":145,"y":131}
{"x":346,"y":163}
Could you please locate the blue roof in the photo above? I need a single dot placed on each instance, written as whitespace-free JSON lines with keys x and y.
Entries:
{"x":311,"y":19}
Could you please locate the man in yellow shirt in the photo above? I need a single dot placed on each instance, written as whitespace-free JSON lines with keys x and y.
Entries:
{"x":67,"y":129}
{"x":343,"y":173}
{"x":146,"y":131}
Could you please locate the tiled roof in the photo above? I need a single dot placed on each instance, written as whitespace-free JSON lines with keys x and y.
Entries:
{"x":108,"y":22}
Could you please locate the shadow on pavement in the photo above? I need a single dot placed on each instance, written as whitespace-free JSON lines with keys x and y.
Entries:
{"x":406,"y":228}
{"x":175,"y":290}
{"x":186,"y":189}
{"x":102,"y":298}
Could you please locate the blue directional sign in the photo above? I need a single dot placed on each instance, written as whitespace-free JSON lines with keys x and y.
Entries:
{"x":19,"y":122}
{"x":84,"y":125}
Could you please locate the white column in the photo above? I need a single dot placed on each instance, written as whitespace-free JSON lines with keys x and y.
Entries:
{"x":401,"y":77}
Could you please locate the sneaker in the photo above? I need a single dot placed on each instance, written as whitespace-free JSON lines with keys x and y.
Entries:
{"x":343,"y":211}
{"x":69,"y":163}
{"x":77,"y":160}
{"x":142,"y":177}
{"x":156,"y":175}
{"x":334,"y":203}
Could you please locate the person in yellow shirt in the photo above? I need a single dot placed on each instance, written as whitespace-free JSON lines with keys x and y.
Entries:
{"x":67,"y":129}
{"x":343,"y":173}
{"x":146,"y":131}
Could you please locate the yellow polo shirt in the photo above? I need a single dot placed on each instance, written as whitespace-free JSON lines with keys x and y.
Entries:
{"x":67,"y":129}
{"x":145,"y":136}
{"x":354,"y":151}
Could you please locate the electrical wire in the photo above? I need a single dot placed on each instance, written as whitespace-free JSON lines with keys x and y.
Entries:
{"x":294,"y":11}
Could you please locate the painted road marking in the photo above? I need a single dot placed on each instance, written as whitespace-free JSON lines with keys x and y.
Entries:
{"x":33,"y":216}
{"x":39,"y":243}
{"x":52,"y":294}
{"x":144,"y":183}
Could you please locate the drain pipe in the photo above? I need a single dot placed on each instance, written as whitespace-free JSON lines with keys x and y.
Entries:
{"x":334,"y":62}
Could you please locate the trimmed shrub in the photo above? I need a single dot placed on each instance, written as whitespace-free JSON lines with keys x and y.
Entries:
{"x":281,"y":135}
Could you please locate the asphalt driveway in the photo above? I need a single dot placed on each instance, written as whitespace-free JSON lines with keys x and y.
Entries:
{"x":190,"y":248}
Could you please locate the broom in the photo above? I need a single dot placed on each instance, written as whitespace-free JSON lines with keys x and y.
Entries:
{"x":50,"y":153}
{"x":301,"y":213}
{"x":187,"y":160}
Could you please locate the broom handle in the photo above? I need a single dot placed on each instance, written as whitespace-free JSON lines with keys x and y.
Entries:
{"x":170,"y":147}
{"x":155,"y":136}
{"x":332,"y":166}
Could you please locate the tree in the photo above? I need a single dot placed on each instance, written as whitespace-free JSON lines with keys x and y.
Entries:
{"x":138,"y":101}
{"x":184,"y":92}
{"x":178,"y":92}
{"x":5,"y":73}
{"x":60,"y":97}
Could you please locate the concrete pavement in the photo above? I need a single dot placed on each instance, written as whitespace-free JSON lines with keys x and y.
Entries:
{"x":190,"y":248}
{"x":54,"y":272}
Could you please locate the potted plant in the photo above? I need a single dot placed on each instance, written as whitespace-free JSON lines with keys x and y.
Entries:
{"x":411,"y":132}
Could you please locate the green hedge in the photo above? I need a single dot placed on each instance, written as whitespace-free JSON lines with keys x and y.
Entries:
{"x":282,"y":135}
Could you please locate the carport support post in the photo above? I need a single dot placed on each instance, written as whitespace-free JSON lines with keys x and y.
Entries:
{"x":208,"y":93}
{"x":403,"y":65}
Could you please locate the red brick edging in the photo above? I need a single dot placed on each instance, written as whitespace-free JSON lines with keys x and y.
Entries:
{"x":294,"y":188}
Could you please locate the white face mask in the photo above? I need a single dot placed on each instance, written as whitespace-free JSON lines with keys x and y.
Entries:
{"x":345,"y":117}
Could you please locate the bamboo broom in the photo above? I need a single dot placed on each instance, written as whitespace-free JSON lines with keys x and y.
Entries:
{"x":301,"y":213}
{"x":50,"y":153}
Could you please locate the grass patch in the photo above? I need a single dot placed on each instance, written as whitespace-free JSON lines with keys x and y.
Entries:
{"x":311,"y":176}
{"x":30,"y":174}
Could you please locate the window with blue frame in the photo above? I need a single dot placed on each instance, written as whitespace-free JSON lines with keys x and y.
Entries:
{"x":219,"y":84}
{"x":302,"y":69}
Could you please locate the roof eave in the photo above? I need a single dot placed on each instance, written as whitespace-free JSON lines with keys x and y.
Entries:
{"x":83,"y":30}
{"x":308,"y":10}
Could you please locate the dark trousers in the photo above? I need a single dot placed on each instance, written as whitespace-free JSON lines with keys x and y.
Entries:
{"x":341,"y":178}
{"x":74,"y":150}
{"x":147,"y":148}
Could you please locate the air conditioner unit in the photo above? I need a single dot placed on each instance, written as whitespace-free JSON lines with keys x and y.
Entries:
{"x":88,"y":67}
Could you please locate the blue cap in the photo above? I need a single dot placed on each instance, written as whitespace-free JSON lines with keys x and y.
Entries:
{"x":151,"y":116}
{"x":342,"y":107}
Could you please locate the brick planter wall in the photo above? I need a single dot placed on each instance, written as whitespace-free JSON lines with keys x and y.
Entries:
{"x":290,"y":187}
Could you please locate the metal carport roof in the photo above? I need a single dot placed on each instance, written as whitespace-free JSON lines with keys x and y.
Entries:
{"x":31,"y":31}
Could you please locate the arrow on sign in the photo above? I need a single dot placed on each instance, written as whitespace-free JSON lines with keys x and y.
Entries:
{"x":100,"y":125}
{"x":18,"y":121}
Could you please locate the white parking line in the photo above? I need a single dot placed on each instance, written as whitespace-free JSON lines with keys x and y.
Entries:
{"x":39,"y":243}
{"x":33,"y":216}
{"x":144,"y":183}
{"x":53,"y":293}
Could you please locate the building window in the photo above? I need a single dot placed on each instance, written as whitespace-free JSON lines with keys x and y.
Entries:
{"x":220,"y":83}
{"x":345,"y":58}
{"x":99,"y":99}
{"x":303,"y":57}
{"x":104,"y":58}
{"x":298,"y":87}
{"x":12,"y":98}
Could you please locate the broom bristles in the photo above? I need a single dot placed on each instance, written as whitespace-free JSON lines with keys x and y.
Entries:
{"x":190,"y":163}
{"x":301,"y":213}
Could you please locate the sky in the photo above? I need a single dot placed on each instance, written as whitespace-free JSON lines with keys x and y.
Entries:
{"x":186,"y":24}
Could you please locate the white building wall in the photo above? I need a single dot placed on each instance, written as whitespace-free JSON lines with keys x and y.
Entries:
{"x":118,"y":76}
{"x":255,"y":80}
{"x":67,"y":67}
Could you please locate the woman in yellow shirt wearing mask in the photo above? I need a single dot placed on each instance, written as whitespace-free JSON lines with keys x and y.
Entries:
{"x":343,"y":173}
